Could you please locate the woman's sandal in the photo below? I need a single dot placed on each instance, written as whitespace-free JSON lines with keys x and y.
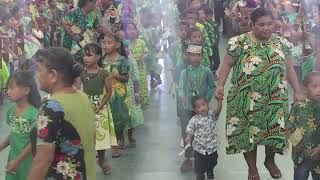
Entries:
{"x":106,"y":168}
{"x":254,"y":177}
{"x":273,"y":170}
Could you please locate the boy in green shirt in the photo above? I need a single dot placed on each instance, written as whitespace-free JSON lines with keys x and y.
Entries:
{"x":195,"y":80}
{"x":303,"y":128}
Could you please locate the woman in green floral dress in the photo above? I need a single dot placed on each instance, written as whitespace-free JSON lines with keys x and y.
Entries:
{"x":82,"y":18}
{"x":257,"y":103}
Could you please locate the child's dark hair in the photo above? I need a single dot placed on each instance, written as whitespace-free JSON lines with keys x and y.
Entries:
{"x":14,"y":10}
{"x":26,"y":79}
{"x":308,"y":78}
{"x":94,"y":48}
{"x":182,"y":23}
{"x":192,"y":11}
{"x":195,"y":99}
{"x":82,"y":3}
{"x":121,"y":50}
{"x":125,"y":26}
{"x":59,"y":59}
{"x":208,"y":11}
{"x":258,"y":13}
{"x":192,"y":30}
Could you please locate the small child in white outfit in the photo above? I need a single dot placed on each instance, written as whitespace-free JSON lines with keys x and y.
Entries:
{"x":202,"y":135}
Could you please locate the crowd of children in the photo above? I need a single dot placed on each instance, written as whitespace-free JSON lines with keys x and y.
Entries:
{"x":119,"y":44}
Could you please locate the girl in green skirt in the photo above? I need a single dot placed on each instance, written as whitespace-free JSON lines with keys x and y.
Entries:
{"x":97,"y":85}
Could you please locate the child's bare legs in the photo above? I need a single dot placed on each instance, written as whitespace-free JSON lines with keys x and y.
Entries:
{"x":131,"y":139}
{"x":120,"y":138}
{"x":106,"y":168}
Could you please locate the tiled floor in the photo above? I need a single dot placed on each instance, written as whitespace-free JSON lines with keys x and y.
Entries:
{"x":156,"y":156}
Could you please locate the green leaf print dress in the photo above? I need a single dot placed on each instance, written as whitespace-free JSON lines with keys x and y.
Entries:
{"x":257,"y":103}
{"x":138,"y":49}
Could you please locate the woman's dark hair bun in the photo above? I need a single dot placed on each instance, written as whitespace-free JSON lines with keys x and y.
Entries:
{"x":77,"y":70}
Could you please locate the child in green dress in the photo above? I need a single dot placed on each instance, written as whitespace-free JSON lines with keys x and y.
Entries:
{"x":117,"y":64}
{"x":21,"y":117}
{"x":97,"y":85}
{"x":179,"y":41}
{"x":195,"y":80}
{"x":139,"y":51}
{"x":303,"y":128}
{"x":214,"y":35}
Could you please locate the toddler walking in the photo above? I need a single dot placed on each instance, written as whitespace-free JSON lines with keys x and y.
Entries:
{"x":202,"y":135}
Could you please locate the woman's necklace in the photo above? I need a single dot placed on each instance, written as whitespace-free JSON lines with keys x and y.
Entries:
{"x":91,"y":75}
{"x":256,"y":40}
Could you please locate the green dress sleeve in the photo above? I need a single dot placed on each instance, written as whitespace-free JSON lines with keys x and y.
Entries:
{"x":70,"y":16}
{"x":234,"y":47}
{"x":210,"y":84}
{"x":286,"y":47}
{"x":9,"y":112}
{"x":181,"y":90}
{"x":124,"y":68}
{"x":139,"y":49}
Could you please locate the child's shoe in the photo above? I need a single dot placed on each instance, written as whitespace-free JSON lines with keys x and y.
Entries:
{"x":200,"y":177}
{"x":186,"y":166}
{"x":210,"y":175}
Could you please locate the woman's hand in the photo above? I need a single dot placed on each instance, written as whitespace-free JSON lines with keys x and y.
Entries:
{"x":12,"y":166}
{"x":299,"y":96}
{"x":75,"y":37}
{"x":98,"y":109}
{"x":217,"y":111}
{"x":219,"y":93}
{"x":288,"y":132}
{"x":315,"y":153}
